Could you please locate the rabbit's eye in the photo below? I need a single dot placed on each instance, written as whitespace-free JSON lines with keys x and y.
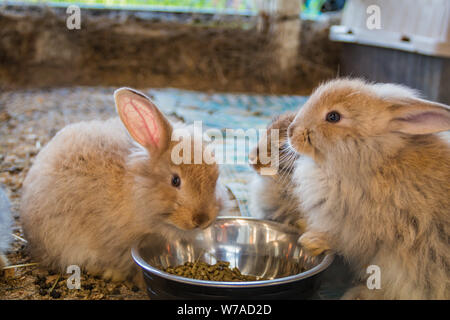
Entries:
{"x":333,"y":117}
{"x":176,"y":181}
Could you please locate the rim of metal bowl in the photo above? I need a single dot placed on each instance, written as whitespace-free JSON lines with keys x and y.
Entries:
{"x":324,"y":264}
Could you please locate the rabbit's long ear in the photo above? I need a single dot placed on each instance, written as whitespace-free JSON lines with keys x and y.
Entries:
{"x":143,"y":120}
{"x":418,"y":116}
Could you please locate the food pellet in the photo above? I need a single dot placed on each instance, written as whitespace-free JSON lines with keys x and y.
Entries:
{"x":220,"y":271}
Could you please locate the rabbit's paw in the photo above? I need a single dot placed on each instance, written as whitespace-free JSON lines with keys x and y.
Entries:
{"x":113,"y":275}
{"x":361,"y":292}
{"x":314,"y":242}
{"x":301,"y":225}
{"x":139,"y":281}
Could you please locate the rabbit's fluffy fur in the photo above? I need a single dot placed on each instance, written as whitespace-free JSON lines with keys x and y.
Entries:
{"x":375,"y":186}
{"x":272,"y":197}
{"x":93,"y":192}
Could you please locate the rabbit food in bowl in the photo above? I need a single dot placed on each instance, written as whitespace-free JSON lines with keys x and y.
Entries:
{"x":220,"y":271}
{"x":257,"y":248}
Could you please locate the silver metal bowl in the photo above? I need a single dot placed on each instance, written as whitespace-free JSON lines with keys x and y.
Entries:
{"x":257,"y":247}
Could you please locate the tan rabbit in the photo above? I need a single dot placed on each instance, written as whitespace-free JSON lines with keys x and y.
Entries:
{"x":375,"y":185}
{"x":272,"y":196}
{"x":94,"y":191}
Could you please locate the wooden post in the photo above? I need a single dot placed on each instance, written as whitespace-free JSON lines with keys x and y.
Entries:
{"x":286,"y":32}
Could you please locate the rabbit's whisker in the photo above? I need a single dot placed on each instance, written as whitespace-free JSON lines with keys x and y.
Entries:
{"x":288,"y":170}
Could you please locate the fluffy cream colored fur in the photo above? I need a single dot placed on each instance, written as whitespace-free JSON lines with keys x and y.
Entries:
{"x":375,"y":186}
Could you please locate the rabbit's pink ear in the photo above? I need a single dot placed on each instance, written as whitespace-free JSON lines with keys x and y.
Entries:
{"x":418,"y":116}
{"x":143,"y":120}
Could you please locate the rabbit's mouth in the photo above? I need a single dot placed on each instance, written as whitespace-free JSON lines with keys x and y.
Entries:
{"x":179,"y":230}
{"x":183,"y":226}
{"x":206,"y":226}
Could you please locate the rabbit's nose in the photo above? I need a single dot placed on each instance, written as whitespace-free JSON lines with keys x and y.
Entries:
{"x":200,"y":219}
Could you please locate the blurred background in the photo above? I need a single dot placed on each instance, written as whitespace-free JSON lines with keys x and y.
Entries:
{"x":261,"y":46}
{"x":265,"y":46}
